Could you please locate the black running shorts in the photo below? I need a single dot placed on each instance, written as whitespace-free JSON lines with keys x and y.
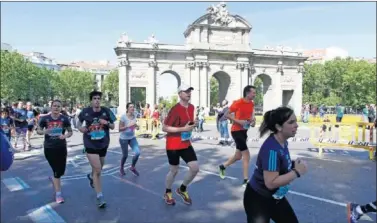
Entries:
{"x":57,"y":158}
{"x":100,"y":152}
{"x":188,"y":155}
{"x":240,"y":139}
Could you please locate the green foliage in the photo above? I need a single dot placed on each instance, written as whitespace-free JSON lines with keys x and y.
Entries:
{"x":138,"y":94}
{"x":346,"y":81}
{"x":111,"y":86}
{"x":168,"y":103}
{"x":21,"y":79}
{"x":214,"y":93}
{"x":258,"y":83}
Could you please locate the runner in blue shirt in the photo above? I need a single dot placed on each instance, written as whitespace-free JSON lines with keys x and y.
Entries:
{"x":264,"y":197}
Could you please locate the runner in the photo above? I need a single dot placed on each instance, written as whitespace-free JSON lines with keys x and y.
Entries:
{"x":6,"y":155}
{"x":127,"y":125}
{"x":243,"y":118}
{"x":30,"y":122}
{"x":355,"y":211}
{"x":53,"y":127}
{"x":98,"y":120}
{"x":179,"y":125}
{"x":264,"y":197}
{"x":6,"y":123}
{"x":20,"y":124}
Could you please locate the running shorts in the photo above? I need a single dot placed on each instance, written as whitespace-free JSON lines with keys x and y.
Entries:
{"x":57,"y":158}
{"x":188,"y":155}
{"x":240,"y":139}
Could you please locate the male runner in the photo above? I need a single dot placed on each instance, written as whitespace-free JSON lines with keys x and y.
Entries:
{"x":179,"y":124}
{"x":20,"y":122}
{"x":243,"y":118}
{"x":98,"y":121}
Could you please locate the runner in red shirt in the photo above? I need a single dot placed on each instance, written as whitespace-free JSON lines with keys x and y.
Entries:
{"x":179,"y":125}
{"x":243,"y":110}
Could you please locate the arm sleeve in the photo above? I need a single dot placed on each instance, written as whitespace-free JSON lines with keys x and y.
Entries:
{"x":112,"y":117}
{"x":42,"y":123}
{"x":6,"y":153}
{"x":234,"y":107}
{"x":66,"y":123}
{"x":81,"y":116}
{"x":171,"y":117}
{"x":270,"y":160}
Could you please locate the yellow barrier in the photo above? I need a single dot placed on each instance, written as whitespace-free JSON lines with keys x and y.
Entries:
{"x":148,"y":126}
{"x":343,"y":135}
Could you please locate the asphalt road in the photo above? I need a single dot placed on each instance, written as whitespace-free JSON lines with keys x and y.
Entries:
{"x":339,"y":176}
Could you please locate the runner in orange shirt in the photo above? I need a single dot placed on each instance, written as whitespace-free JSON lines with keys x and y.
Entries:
{"x":243,"y":118}
{"x":179,"y":125}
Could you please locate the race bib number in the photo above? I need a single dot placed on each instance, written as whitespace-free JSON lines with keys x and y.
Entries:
{"x":281,"y":192}
{"x":97,"y":135}
{"x":246,"y":125}
{"x":55,"y":132}
{"x":186,"y":136}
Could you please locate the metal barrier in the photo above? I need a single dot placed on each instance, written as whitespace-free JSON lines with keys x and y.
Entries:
{"x":148,"y":127}
{"x":343,"y":135}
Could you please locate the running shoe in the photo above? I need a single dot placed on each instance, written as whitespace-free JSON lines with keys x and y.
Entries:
{"x":101,"y":202}
{"x":134,"y":171}
{"x":90,"y":180}
{"x":184,"y":195}
{"x":244,"y":183}
{"x":59,"y":199}
{"x":122,"y":173}
{"x":222,"y":172}
{"x":168,"y":197}
{"x":352,"y":215}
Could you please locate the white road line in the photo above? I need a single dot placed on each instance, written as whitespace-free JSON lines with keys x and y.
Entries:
{"x":292,"y":192}
{"x":211,"y":173}
{"x":317,"y":158}
{"x":45,"y":214}
{"x":318,"y":198}
{"x":83,"y":176}
{"x":15,"y":184}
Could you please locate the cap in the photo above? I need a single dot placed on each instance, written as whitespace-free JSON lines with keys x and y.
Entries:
{"x":184,"y":87}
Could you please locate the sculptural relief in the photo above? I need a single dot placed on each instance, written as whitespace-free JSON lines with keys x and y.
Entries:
{"x":220,"y":14}
{"x":124,"y":40}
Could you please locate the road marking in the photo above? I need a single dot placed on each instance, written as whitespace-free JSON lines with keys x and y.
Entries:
{"x":15,"y":184}
{"x":108,"y":172}
{"x":317,"y":158}
{"x":210,"y":173}
{"x":45,"y":214}
{"x":143,"y":188}
{"x":318,"y":198}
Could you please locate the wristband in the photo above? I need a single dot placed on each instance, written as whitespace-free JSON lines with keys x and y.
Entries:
{"x":297,"y":173}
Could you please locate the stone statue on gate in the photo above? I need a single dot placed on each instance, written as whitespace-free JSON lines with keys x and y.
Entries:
{"x":220,"y":14}
{"x":153,"y":41}
{"x":124,"y":40}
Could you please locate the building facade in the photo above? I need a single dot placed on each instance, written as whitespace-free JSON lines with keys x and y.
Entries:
{"x":40,"y":60}
{"x":217,"y":45}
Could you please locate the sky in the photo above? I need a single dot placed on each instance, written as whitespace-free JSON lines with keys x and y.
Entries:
{"x":69,"y":31}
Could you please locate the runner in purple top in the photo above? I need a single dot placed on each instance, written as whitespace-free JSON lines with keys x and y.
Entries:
{"x":264,"y":197}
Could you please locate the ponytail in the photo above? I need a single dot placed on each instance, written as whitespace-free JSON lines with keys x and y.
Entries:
{"x":264,"y":127}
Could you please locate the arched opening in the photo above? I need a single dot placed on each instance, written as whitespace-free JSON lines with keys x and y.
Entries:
{"x":168,"y":82}
{"x":262,"y":83}
{"x":219,"y":85}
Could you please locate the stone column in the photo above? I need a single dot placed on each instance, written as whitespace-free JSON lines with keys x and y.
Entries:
{"x":243,"y":75}
{"x":123,"y":69}
{"x":195,"y":83}
{"x":151,"y":90}
{"x":297,"y":93}
{"x":203,"y":84}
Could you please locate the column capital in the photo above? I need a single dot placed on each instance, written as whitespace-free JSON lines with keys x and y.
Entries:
{"x":279,"y":68}
{"x":123,"y":62}
{"x":190,"y":64}
{"x":152,"y":63}
{"x":242,"y":65}
{"x":202,"y":64}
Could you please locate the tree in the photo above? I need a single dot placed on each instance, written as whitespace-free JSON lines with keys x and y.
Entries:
{"x":258,"y":84}
{"x":214,"y":92}
{"x":138,"y":94}
{"x":345,"y":81}
{"x":111,"y":86}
